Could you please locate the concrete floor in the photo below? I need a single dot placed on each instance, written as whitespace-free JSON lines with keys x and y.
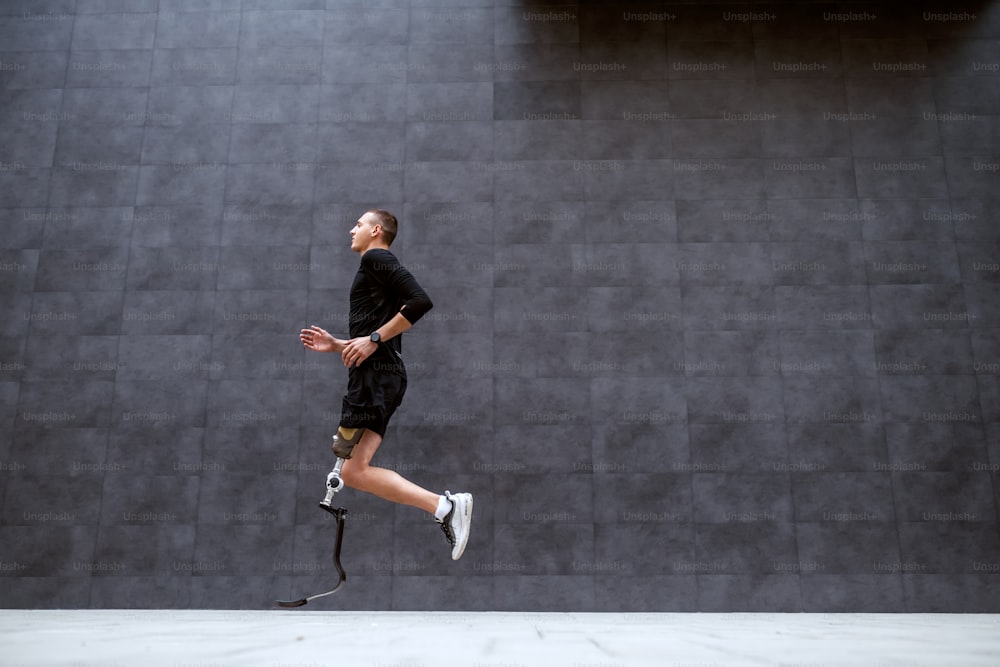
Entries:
{"x":492,"y":639}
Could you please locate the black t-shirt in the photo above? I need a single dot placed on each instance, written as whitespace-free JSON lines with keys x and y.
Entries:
{"x":383,"y":287}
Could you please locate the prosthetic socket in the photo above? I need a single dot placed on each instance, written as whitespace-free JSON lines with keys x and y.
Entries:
{"x":343,"y":444}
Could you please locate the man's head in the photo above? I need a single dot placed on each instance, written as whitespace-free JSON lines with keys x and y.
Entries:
{"x":375,"y":229}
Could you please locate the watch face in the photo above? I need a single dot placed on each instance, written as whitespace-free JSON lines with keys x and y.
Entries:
{"x":375,"y":337}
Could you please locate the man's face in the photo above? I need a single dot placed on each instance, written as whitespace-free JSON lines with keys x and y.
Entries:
{"x":362,"y":233}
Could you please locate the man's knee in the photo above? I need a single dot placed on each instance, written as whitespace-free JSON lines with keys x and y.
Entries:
{"x":353,"y":473}
{"x":344,"y":441}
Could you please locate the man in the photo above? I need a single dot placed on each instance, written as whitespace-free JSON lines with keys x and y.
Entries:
{"x":385,"y":301}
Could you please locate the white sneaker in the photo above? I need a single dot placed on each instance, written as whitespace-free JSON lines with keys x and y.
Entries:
{"x":457,"y":523}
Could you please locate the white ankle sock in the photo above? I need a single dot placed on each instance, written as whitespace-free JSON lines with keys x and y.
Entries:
{"x":444,"y":506}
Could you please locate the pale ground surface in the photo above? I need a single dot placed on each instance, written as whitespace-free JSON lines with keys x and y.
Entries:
{"x":111,"y":638}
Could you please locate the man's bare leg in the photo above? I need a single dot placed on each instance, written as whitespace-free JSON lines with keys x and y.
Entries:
{"x":382,"y":482}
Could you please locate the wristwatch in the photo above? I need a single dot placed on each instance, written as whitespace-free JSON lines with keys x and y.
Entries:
{"x":375,"y":338}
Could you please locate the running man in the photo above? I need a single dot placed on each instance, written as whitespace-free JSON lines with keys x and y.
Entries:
{"x":385,"y":301}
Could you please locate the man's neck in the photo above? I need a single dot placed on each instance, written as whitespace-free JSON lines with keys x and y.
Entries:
{"x":374,"y":246}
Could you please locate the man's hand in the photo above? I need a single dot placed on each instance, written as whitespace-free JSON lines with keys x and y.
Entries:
{"x":320,"y":340}
{"x":357,"y":350}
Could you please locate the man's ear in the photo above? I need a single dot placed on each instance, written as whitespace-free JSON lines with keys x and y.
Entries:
{"x":376,"y":230}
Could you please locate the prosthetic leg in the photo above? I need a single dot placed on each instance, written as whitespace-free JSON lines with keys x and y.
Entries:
{"x":343,"y":443}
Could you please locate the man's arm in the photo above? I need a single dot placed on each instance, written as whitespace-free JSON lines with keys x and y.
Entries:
{"x":387,"y":270}
{"x":397,"y":325}
{"x":358,"y":349}
{"x":383,"y":267}
{"x":320,"y":340}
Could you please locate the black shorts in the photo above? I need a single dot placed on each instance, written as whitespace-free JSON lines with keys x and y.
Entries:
{"x":372,"y":396}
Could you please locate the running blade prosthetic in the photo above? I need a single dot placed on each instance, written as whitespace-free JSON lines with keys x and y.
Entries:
{"x":338,"y":513}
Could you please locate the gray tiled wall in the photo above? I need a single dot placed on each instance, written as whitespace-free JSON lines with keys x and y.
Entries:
{"x":716,"y":286}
